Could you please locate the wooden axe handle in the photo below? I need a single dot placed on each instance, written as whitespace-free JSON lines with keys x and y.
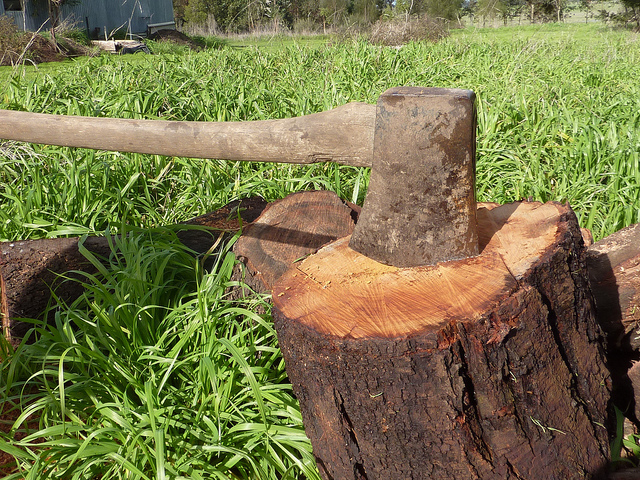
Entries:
{"x":343,"y":135}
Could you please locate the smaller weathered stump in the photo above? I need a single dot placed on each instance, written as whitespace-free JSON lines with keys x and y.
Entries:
{"x":614,"y":272}
{"x":484,"y":368}
{"x":287,"y":231}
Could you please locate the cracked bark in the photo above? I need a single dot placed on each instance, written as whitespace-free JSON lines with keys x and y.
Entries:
{"x":484,"y":368}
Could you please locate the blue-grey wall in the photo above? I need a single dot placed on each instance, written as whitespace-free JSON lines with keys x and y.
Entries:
{"x":132,"y":16}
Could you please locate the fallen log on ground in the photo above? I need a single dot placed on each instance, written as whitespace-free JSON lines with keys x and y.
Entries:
{"x":31,"y":269}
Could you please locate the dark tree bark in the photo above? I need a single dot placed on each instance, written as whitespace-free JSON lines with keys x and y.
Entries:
{"x":229,"y":219}
{"x":614,"y":272}
{"x":484,"y":368}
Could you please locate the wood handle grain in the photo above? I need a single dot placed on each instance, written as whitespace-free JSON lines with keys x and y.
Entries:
{"x":343,"y":135}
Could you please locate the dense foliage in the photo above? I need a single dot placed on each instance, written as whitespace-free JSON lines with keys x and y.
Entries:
{"x":155,"y":372}
{"x":558,"y":120}
{"x":305,"y":16}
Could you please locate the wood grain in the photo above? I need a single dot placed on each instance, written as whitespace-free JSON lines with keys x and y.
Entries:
{"x":374,"y":299}
{"x":343,"y":135}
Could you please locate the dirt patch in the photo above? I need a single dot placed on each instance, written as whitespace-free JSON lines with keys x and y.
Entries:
{"x":34,"y":48}
{"x":42,"y":50}
{"x":175,"y":37}
{"x":17,"y":47}
{"x":8,"y":415}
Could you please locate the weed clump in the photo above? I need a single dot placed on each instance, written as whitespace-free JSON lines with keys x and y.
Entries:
{"x":12,"y":42}
{"x":17,"y":47}
{"x":401,"y":30}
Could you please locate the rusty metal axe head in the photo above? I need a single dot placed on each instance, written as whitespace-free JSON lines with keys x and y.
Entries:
{"x":420,"y":208}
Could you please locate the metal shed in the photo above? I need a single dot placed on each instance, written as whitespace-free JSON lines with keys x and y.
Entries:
{"x":131,"y":16}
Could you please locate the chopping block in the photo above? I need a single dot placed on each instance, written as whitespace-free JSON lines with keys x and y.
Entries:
{"x":442,"y":339}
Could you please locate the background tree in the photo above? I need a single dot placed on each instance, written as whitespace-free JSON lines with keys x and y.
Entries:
{"x":332,"y":12}
{"x":586,"y":6}
{"x":632,"y":11}
{"x":503,"y":9}
{"x":196,"y":11}
{"x":244,"y":15}
{"x":546,"y":10}
{"x":227,"y":15}
{"x":487,"y":9}
{"x":442,"y":9}
{"x":179,"y":7}
{"x":365,"y":11}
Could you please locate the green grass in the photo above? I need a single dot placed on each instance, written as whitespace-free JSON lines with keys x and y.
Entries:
{"x":558,"y":120}
{"x":274,"y":43}
{"x":153,"y":373}
{"x":550,"y":32}
{"x":155,"y":355}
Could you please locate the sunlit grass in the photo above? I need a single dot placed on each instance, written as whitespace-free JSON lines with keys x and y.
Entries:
{"x":154,"y":372}
{"x":558,"y":120}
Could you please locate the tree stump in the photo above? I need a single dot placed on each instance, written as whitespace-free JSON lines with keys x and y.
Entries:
{"x":287,"y":231}
{"x":484,"y":368}
{"x":614,"y":272}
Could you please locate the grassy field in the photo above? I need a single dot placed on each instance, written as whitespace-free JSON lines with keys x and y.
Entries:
{"x":557,"y":109}
{"x":154,"y":363}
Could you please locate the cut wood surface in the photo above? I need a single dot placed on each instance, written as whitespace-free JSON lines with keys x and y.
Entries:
{"x":382,"y":300}
{"x":343,"y":135}
{"x":484,"y":368}
{"x":290,"y":229}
